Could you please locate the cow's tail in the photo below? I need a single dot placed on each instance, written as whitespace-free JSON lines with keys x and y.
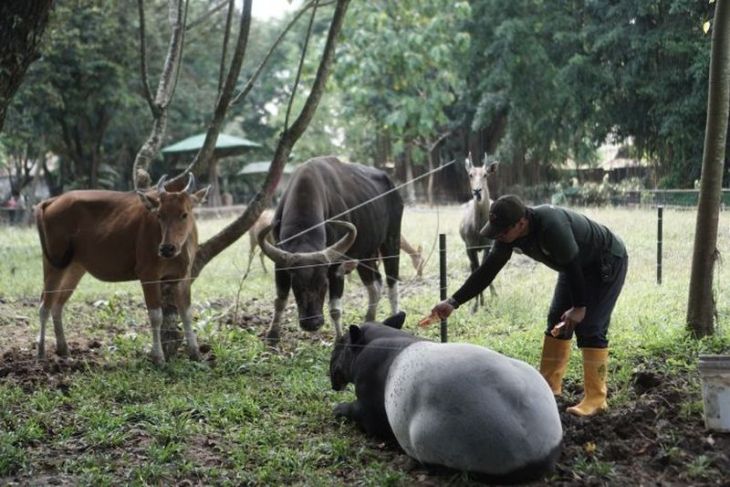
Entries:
{"x":65,"y":260}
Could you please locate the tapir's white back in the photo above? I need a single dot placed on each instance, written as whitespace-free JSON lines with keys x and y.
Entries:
{"x":470,"y":408}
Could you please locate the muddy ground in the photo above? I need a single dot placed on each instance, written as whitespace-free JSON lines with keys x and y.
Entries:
{"x":653,"y":439}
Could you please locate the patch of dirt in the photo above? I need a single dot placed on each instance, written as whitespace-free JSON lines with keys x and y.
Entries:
{"x":20,"y":366}
{"x":652,"y":440}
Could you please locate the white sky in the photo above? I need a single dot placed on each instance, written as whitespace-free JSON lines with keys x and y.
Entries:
{"x":266,"y":9}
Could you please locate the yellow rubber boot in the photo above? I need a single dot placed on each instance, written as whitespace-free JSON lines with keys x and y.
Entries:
{"x":595,"y":372}
{"x":554,"y":361}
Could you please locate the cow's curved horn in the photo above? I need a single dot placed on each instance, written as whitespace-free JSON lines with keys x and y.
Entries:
{"x":330,"y":254}
{"x":274,"y":253}
{"x":191,"y":184}
{"x":161,"y":184}
{"x":336,"y":251}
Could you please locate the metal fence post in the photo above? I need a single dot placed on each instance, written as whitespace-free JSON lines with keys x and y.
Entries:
{"x":659,"y":216}
{"x":442,"y":283}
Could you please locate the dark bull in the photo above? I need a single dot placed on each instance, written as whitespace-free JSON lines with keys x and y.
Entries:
{"x":330,"y":212}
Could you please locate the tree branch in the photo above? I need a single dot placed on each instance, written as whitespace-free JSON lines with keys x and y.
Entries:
{"x":288,"y":138}
{"x":221,"y":73}
{"x":206,"y":15}
{"x":249,"y":84}
{"x":226,"y":94}
{"x":301,"y":65}
{"x":143,"y":59}
{"x":165,"y":89}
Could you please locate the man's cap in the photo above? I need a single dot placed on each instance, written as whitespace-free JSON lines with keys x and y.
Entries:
{"x":503,"y":213}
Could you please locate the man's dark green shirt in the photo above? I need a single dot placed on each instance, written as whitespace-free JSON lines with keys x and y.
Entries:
{"x":562,"y":239}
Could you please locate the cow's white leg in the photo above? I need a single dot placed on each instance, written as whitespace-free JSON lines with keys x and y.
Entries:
{"x":157,"y":355}
{"x":190,"y":338}
{"x":41,"y":341}
{"x":374,"y":290}
{"x":279,"y":306}
{"x":57,"y":316}
{"x":336,"y":315}
{"x":393,"y":298}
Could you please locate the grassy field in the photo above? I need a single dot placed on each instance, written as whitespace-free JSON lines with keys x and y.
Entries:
{"x":254,"y":416}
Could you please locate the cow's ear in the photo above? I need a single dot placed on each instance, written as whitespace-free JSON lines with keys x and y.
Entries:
{"x":200,"y":195}
{"x":148,"y":201}
{"x":355,"y":333}
{"x":396,"y":321}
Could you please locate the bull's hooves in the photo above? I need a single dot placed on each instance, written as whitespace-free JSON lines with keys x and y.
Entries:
{"x":62,"y":352}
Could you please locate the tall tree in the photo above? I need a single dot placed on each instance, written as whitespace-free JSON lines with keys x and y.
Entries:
{"x":650,"y":62}
{"x":401,"y":70}
{"x":293,"y":129}
{"x":701,"y":308}
{"x":22,"y":23}
{"x":80,"y":91}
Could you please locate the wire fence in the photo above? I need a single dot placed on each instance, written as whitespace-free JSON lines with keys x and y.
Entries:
{"x":675,"y":248}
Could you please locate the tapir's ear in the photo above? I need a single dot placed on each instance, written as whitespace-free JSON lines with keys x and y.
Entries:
{"x":396,"y":321}
{"x":355,"y":333}
{"x":148,"y":201}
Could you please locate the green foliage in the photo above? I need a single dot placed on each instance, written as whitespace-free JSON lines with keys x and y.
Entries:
{"x":541,"y":82}
{"x":400,"y":70}
{"x":567,"y":75}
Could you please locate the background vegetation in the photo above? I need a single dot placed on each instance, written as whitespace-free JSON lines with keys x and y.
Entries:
{"x":539,"y":83}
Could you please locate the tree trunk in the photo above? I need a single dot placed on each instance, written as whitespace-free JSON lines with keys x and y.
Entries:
{"x":701,"y":303}
{"x":429,"y":190}
{"x":223,"y":239}
{"x":408,"y":166}
{"x":24,"y":22}
{"x":177,"y":10}
{"x":214,"y":195}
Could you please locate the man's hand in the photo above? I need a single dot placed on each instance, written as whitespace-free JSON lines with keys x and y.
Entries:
{"x":439,"y":312}
{"x":571,"y":319}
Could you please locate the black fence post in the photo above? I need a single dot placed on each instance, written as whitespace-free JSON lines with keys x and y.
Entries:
{"x":442,"y":283}
{"x":660,"y":217}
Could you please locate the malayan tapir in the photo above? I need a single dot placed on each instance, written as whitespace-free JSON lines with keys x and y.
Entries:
{"x":453,"y":405}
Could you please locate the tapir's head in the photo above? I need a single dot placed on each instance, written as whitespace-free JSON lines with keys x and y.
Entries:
{"x":349,"y":346}
{"x":343,"y":355}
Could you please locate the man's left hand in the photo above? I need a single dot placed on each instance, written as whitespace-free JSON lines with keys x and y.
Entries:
{"x":572,"y":318}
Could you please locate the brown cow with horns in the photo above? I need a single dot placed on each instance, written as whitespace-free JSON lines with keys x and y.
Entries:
{"x":119,"y":236}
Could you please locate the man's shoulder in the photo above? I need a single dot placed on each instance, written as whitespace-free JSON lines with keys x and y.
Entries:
{"x":547,"y":214}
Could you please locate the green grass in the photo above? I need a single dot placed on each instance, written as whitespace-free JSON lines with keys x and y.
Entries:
{"x":264,"y":418}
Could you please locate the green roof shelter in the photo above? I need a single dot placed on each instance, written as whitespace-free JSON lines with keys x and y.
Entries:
{"x":226,"y":146}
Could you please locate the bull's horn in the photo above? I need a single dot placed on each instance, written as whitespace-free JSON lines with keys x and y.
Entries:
{"x":279,"y":256}
{"x":336,"y":251}
{"x":161,"y":184}
{"x":331,"y":254}
{"x":191,"y":184}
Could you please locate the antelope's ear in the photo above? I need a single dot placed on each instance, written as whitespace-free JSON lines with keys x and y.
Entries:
{"x":396,"y":321}
{"x":467,"y":163}
{"x":492,"y":168}
{"x":200,"y":195}
{"x":149,"y":202}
